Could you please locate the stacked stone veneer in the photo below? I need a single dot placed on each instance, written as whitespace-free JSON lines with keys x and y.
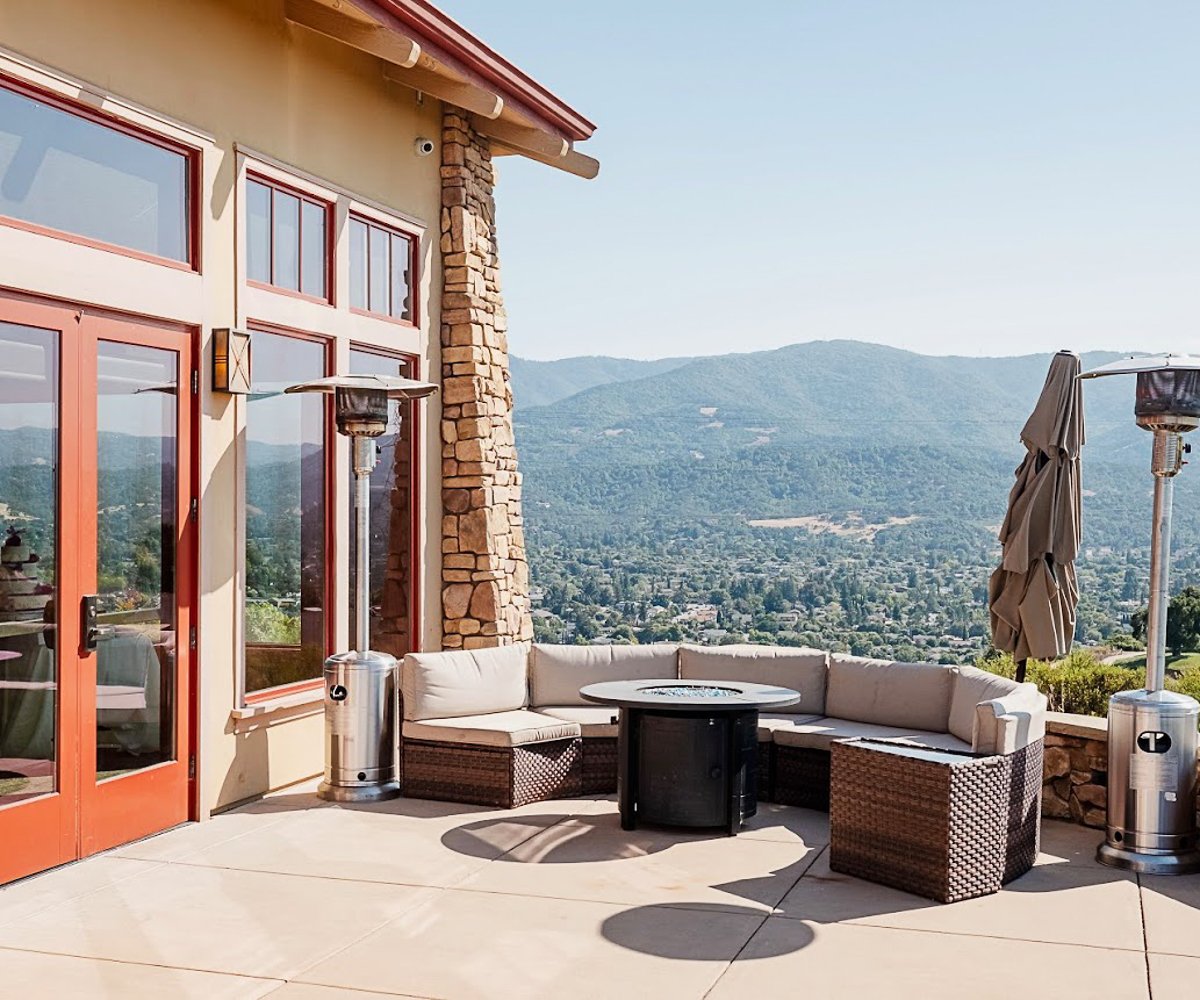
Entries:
{"x":485,"y":578}
{"x":1075,"y":773}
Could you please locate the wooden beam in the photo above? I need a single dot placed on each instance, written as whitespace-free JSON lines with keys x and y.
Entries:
{"x":374,"y":39}
{"x":524,"y":138}
{"x":459,"y":93}
{"x":573,"y":163}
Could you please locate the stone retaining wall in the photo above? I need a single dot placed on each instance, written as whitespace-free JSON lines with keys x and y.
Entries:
{"x":1075,"y":776}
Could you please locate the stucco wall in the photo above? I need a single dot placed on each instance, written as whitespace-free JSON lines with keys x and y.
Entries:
{"x":242,"y":80}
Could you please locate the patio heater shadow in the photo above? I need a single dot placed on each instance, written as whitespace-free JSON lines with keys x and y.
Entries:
{"x":701,"y":932}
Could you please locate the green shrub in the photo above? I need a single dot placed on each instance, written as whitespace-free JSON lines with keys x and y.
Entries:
{"x":1078,"y":683}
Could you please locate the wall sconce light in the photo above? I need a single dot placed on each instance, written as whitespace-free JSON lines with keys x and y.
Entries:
{"x":231,"y":361}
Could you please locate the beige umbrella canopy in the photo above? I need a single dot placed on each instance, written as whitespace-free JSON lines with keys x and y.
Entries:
{"x":1034,"y":593}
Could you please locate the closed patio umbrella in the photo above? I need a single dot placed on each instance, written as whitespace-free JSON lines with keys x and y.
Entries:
{"x":1034,"y":593}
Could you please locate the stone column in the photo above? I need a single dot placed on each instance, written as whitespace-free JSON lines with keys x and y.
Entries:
{"x":485,"y":578}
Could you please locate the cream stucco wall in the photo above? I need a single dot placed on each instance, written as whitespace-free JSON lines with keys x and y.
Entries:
{"x":237,"y":81}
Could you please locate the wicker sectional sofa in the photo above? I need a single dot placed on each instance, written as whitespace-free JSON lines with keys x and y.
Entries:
{"x":506,"y":725}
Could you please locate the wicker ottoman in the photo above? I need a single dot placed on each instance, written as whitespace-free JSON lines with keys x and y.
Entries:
{"x":506,"y":777}
{"x":930,"y":822}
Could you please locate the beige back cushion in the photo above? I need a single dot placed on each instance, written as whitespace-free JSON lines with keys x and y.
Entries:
{"x":556,"y":673}
{"x":464,"y":682}
{"x":802,"y":669}
{"x":890,"y":694}
{"x":971,"y":687}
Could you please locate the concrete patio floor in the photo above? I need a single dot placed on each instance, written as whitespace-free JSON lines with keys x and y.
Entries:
{"x":301,"y":900}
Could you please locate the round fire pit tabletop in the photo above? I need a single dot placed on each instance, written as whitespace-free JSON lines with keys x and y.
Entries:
{"x":669,"y":694}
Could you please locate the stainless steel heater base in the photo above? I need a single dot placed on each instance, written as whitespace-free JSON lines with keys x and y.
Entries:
{"x":359,"y":793}
{"x":1144,"y":863}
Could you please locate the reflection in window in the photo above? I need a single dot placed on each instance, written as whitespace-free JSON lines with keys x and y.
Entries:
{"x":285,"y":515}
{"x":286,"y":239}
{"x":28,"y":504}
{"x":391,"y":520}
{"x":70,"y":173}
{"x":381,"y":270}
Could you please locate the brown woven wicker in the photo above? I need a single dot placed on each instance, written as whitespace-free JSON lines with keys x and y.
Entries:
{"x":801,"y":777}
{"x":1024,"y":810}
{"x":491,"y":776}
{"x":929,"y":823}
{"x":599,"y":765}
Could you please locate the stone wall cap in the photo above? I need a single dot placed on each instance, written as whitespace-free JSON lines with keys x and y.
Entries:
{"x":1066,"y":724}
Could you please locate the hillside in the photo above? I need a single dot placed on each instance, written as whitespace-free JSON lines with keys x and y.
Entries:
{"x":865,"y":481}
{"x":540,"y":383}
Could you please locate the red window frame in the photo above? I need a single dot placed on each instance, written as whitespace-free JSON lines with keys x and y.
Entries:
{"x":192,"y":179}
{"x":414,"y":276}
{"x":331,"y":512}
{"x":326,"y":207}
{"x":417,"y":568}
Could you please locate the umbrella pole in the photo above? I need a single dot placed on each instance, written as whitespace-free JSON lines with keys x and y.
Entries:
{"x":1020,"y":676}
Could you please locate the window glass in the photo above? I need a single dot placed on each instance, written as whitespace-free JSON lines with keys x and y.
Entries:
{"x":391,"y":520}
{"x":377,"y":266}
{"x":285,"y":515}
{"x":401,"y":261}
{"x":313,"y":249}
{"x":381,"y":270}
{"x":258,"y":232}
{"x":358,"y":264}
{"x":70,"y":173}
{"x":286,"y":241}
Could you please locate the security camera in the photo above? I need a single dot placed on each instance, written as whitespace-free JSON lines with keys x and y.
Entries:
{"x":423,"y":146}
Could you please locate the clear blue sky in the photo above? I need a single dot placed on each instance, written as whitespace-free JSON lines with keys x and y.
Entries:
{"x":948,"y":176}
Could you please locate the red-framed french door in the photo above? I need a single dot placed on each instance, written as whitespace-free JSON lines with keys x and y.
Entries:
{"x":96,"y":581}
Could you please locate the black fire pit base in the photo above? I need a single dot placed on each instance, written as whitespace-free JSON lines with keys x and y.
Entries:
{"x":693,"y":769}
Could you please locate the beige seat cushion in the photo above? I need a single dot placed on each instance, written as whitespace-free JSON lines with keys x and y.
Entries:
{"x":884,"y":693}
{"x":556,"y":673}
{"x":972,"y":687}
{"x":463,"y":682}
{"x":595,"y":721}
{"x":820,"y":734}
{"x":774,"y":721}
{"x":499,"y":729}
{"x":800,"y":668}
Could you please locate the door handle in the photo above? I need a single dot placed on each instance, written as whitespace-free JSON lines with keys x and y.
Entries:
{"x":90,"y":627}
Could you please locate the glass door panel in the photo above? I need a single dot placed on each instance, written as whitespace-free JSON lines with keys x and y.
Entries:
{"x":137,"y":489}
{"x":29,"y":682}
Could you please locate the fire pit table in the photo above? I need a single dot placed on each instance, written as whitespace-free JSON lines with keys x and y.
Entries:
{"x":687,"y":751}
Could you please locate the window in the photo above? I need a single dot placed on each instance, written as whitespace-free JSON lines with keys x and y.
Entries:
{"x":392,"y":507}
{"x":69,"y":172}
{"x":286,"y":463}
{"x":382,"y":270}
{"x":287,"y":242}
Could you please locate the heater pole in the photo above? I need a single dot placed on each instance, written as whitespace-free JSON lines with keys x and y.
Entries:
{"x":364,"y":464}
{"x":1165,"y":464}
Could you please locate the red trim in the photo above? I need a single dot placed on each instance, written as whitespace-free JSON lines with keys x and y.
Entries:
{"x":416,"y":586}
{"x":283,"y":690}
{"x":331,"y":510}
{"x":450,"y":43}
{"x":193,"y":177}
{"x":327,"y":209}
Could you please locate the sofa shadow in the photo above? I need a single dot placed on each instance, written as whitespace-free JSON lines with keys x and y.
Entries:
{"x":570,"y":839}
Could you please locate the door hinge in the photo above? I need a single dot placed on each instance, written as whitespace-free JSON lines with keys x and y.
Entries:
{"x":195,"y":509}
{"x":195,"y":381}
{"x":192,"y":767}
{"x":192,"y":637}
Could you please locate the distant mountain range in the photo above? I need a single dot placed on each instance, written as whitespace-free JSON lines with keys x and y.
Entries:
{"x":823,"y":428}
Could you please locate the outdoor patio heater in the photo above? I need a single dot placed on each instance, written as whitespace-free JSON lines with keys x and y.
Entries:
{"x":1151,"y":824}
{"x":361,"y":695}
